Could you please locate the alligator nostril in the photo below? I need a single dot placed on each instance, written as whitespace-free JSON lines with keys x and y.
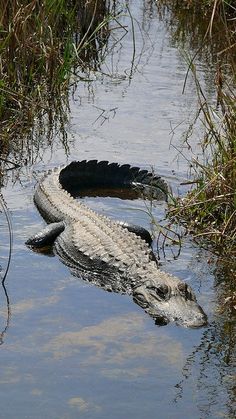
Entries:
{"x":182,"y":287}
{"x":185,"y":291}
{"x":161,"y":321}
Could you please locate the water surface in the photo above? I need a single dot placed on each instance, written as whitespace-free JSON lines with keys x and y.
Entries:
{"x":71,"y":349}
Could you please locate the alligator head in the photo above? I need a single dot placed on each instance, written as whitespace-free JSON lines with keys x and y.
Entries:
{"x":167,"y":303}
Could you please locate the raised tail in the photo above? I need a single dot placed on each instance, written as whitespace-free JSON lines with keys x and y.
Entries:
{"x":85,"y":174}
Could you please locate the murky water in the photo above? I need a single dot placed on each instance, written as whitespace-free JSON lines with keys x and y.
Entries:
{"x":71,"y":350}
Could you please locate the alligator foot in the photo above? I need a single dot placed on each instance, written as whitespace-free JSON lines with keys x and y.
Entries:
{"x":138,"y":230}
{"x":47,"y":236}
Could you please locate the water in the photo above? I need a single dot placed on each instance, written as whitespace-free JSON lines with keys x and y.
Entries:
{"x":71,"y":350}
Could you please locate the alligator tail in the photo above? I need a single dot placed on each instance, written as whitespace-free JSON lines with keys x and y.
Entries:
{"x":93,"y":174}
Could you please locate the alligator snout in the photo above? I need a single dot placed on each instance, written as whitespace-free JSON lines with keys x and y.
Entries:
{"x":198,"y":319}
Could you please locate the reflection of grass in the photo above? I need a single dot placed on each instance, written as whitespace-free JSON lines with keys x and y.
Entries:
{"x":212,"y":361}
{"x":208,"y":365}
{"x":10,"y":231}
{"x":41,"y":45}
{"x":206,"y":27}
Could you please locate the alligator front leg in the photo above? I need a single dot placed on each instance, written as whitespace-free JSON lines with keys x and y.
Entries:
{"x":47,"y":236}
{"x":139,"y":231}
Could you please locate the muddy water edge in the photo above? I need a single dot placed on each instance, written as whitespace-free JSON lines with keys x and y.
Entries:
{"x":69,"y":349}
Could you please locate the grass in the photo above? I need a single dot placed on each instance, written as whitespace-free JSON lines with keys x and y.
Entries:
{"x":208,"y":211}
{"x":209,"y":208}
{"x":41,"y":45}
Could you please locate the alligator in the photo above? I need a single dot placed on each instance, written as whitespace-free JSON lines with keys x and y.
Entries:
{"x":113,"y":255}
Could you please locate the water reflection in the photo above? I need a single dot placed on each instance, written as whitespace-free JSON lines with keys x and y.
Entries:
{"x":7,"y":315}
{"x":78,"y":349}
{"x":210,"y":366}
{"x":191,"y":28}
{"x":114,"y":343}
{"x":8,"y":255}
{"x":83,"y":405}
{"x":214,"y":359}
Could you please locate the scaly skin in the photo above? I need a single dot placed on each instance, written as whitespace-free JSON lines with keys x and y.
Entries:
{"x":102,"y":251}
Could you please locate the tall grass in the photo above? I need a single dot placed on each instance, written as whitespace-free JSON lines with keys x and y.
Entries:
{"x":42,"y":43}
{"x":209,"y":209}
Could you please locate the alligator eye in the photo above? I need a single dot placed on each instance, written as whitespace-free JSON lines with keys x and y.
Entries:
{"x":160,"y":290}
